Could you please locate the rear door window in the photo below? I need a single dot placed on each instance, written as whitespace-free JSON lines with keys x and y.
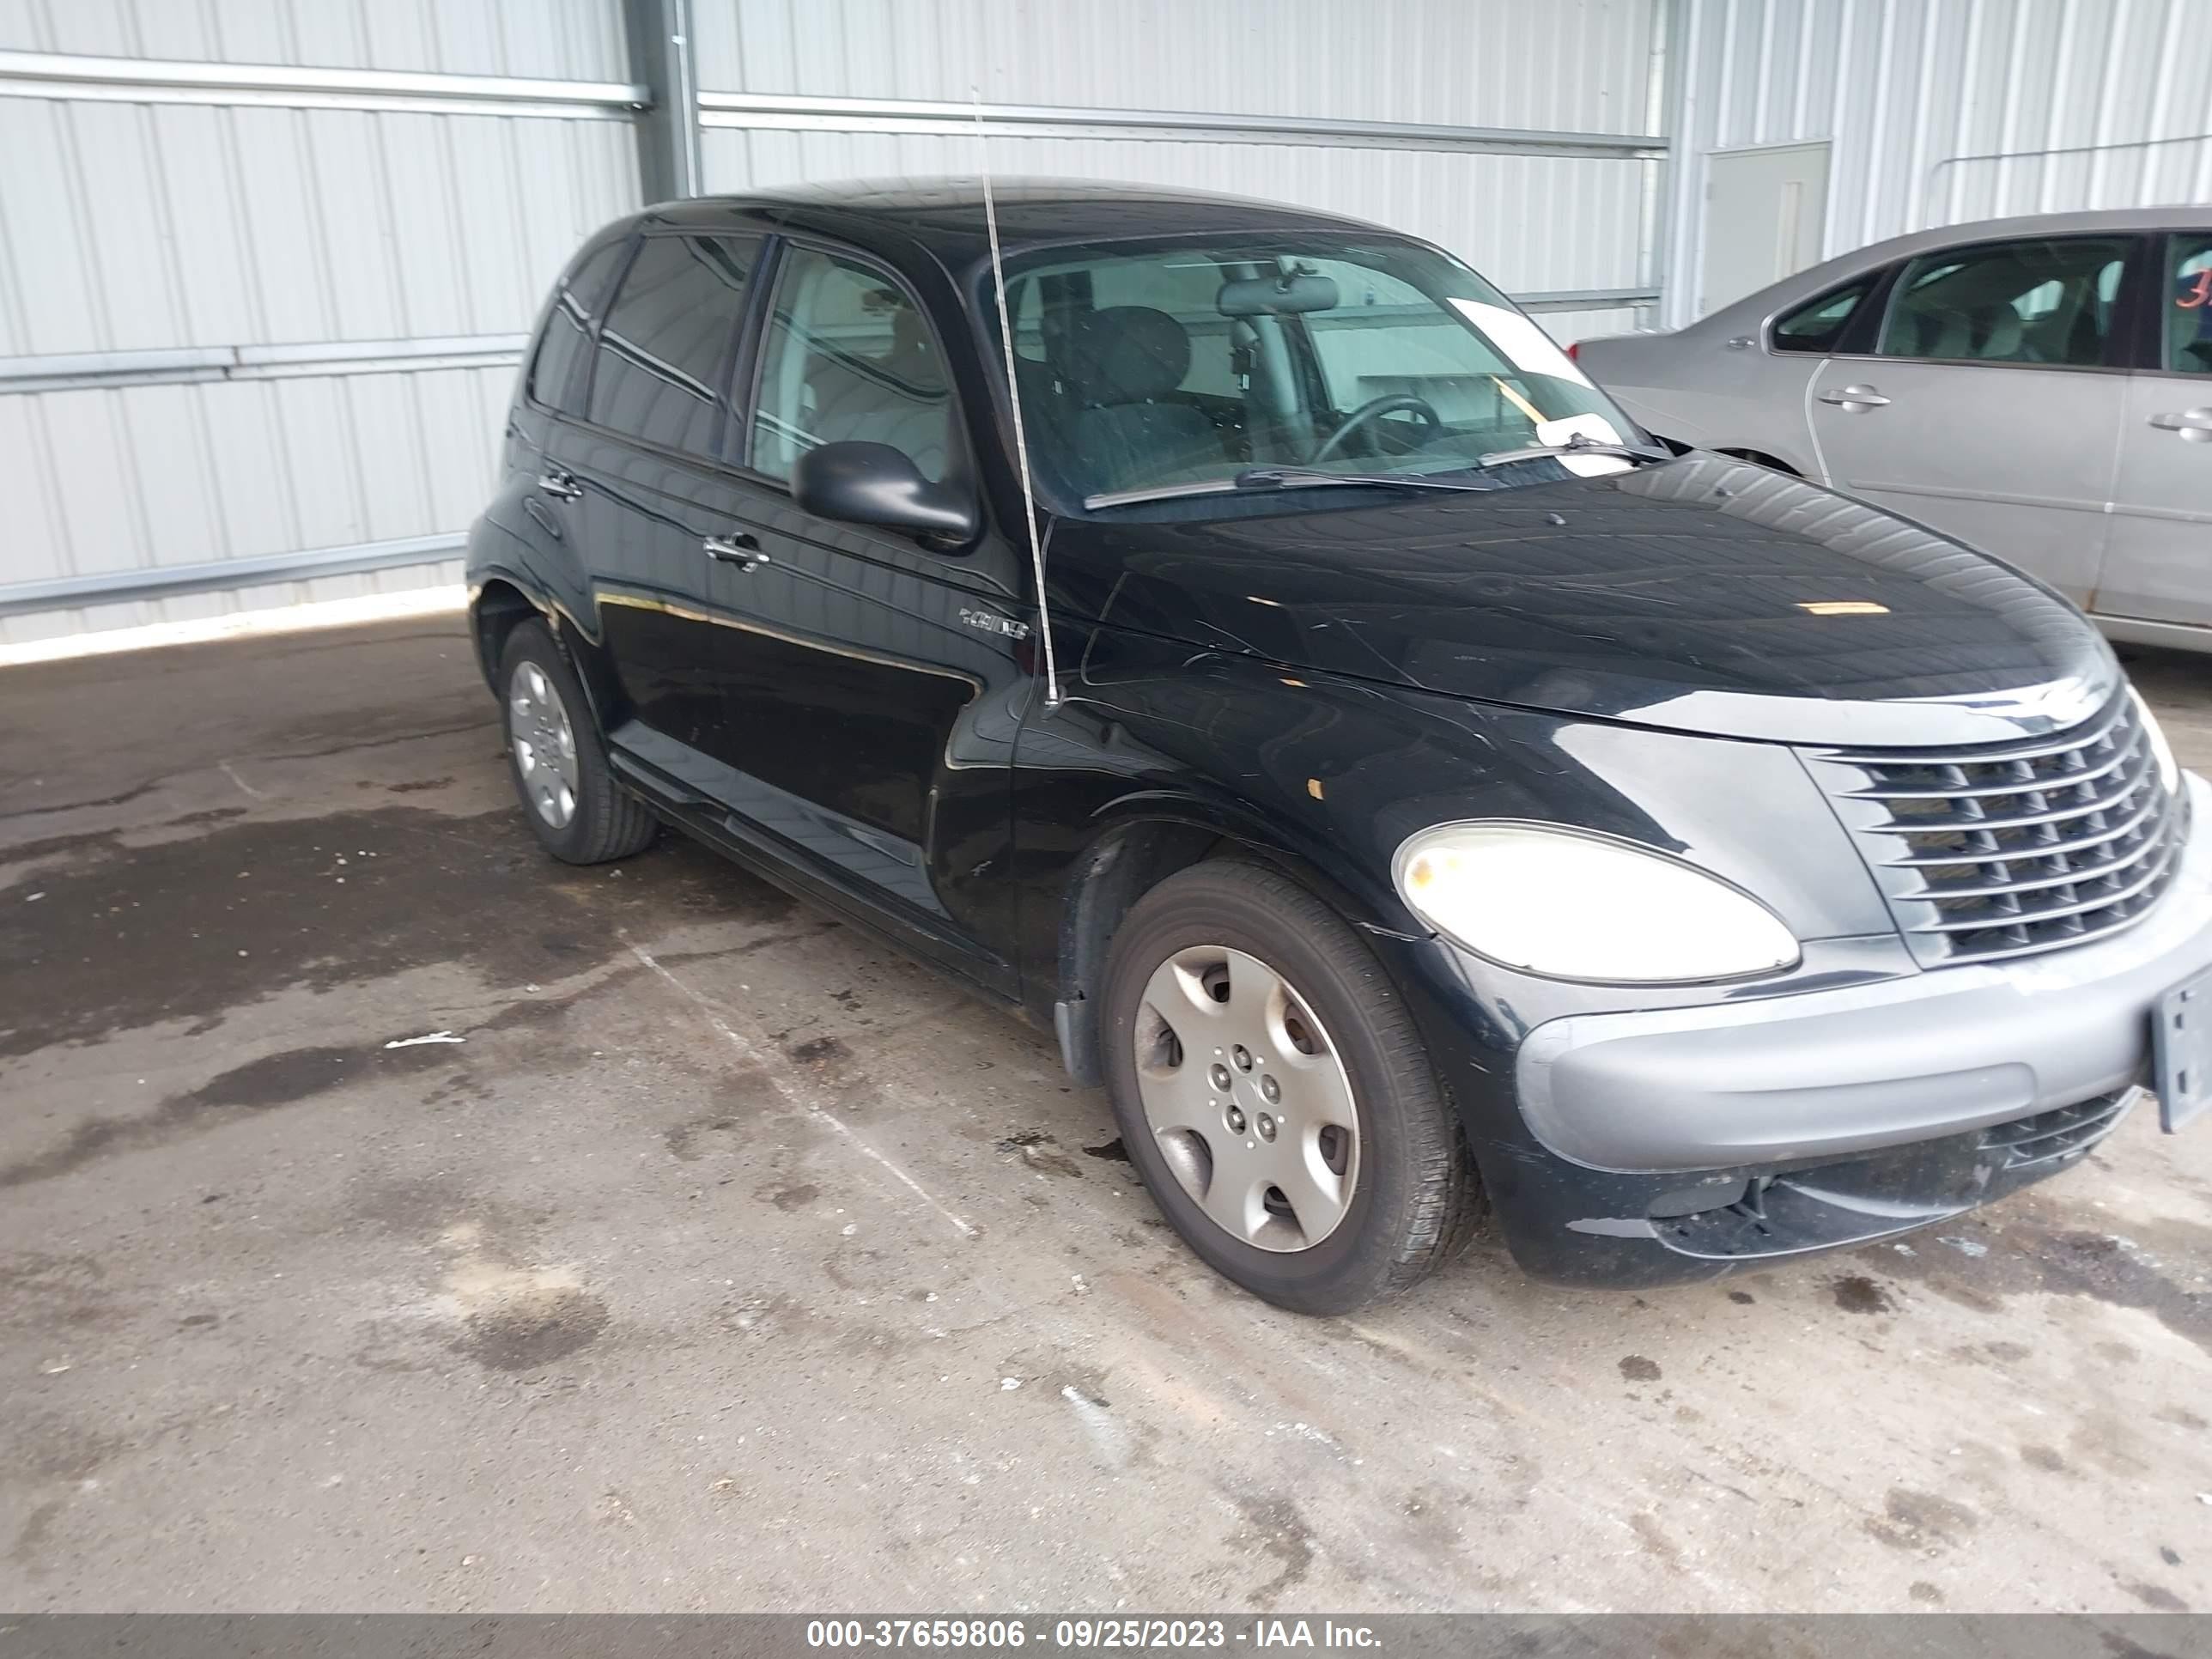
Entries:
{"x":2049,"y":300}
{"x":2186,"y":347}
{"x":576,"y":306}
{"x":661,"y":371}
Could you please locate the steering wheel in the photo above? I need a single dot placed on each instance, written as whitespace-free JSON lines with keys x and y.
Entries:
{"x":1390,"y":403}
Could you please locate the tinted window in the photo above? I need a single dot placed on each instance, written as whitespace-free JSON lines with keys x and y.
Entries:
{"x":848,"y":358}
{"x":2041,"y":302}
{"x":567,"y":328}
{"x":2189,"y":304}
{"x":662,"y":366}
{"x":1818,"y":325}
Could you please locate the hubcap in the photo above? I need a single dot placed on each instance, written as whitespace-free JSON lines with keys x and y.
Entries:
{"x":544,"y":745}
{"x":1245,"y":1094}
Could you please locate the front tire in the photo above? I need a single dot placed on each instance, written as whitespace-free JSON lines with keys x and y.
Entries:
{"x":575,"y":807}
{"x":1273,"y":1094}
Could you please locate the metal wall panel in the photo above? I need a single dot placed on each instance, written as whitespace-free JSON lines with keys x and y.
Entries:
{"x":143,"y":226}
{"x":1568,"y":64}
{"x":133,"y":227}
{"x":557,"y":40}
{"x":1944,"y":111}
{"x":148,"y":476}
{"x":1531,"y":223}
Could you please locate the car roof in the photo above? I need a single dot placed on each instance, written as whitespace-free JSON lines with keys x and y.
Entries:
{"x":948,"y":212}
{"x":1811,"y":281}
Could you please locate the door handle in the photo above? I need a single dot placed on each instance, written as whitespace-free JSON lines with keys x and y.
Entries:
{"x":1855,"y":398}
{"x":2194,"y":425}
{"x":561,"y":484}
{"x":739,"y":550}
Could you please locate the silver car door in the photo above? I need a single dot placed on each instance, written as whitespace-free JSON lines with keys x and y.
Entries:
{"x":2160,"y":564}
{"x":1991,"y":402}
{"x":1738,"y":392}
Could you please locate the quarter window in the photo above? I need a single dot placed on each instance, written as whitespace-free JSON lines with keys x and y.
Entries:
{"x":661,"y":371}
{"x":2047,"y":300}
{"x":576,"y":306}
{"x":2189,"y":304}
{"x":847,"y":358}
{"x":1818,"y":325}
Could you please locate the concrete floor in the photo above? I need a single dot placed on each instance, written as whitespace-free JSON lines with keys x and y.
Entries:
{"x":731,"y":1262}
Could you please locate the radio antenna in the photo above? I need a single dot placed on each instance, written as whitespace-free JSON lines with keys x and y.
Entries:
{"x":1014,"y":396}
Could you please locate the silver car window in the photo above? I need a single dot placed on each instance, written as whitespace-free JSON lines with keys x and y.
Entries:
{"x":2188,"y":334}
{"x":1818,"y":325}
{"x":2044,"y":300}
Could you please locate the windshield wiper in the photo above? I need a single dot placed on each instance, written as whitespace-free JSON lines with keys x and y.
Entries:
{"x":1278,"y":477}
{"x":1310,"y":477}
{"x":1578,"y":445}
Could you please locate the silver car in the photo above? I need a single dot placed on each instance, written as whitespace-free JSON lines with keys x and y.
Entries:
{"x":2040,"y":388}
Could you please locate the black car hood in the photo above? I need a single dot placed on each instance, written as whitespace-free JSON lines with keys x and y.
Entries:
{"x":1701,"y":595}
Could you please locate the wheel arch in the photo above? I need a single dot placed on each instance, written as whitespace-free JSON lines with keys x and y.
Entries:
{"x":498,"y":604}
{"x":1763,"y":458}
{"x":1132,"y":851}
{"x":500,"y":599}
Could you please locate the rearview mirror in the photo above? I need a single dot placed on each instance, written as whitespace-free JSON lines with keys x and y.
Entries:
{"x":874,"y":483}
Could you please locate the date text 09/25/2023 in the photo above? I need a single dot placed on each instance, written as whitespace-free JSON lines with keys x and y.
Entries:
{"x":1087,"y":1634}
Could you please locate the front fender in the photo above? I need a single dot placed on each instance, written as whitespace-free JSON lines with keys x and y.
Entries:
{"x":1332,"y":774}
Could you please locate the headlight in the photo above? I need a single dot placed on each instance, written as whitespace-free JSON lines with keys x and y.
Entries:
{"x":1579,"y":905}
{"x":2169,"y":772}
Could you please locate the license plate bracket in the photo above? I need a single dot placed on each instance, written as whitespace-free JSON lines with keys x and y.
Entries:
{"x":2181,"y":1049}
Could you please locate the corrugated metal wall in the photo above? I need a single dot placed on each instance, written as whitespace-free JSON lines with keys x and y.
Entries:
{"x":1531,"y":223}
{"x":134,"y":227}
{"x":1943,"y":112}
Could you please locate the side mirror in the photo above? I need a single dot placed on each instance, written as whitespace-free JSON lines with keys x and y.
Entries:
{"x":873,"y":483}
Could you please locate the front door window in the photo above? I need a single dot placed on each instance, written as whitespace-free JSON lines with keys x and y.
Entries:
{"x":848,"y":358}
{"x":2044,"y":300}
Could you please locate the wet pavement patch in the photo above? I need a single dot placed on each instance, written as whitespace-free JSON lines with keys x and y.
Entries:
{"x":2155,"y":1595}
{"x":1274,"y":1526}
{"x":278,"y":1079}
{"x":1637,"y":1369}
{"x":127,"y":937}
{"x":684,"y":1141}
{"x":533,"y":1330}
{"x":1922,"y":1520}
{"x":2024,"y":1255}
{"x":1856,"y":1293}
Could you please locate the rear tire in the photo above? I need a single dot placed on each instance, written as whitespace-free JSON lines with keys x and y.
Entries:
{"x":575,"y":807}
{"x":1315,"y":1203}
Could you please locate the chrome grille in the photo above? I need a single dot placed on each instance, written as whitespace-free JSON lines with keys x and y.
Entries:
{"x":2001,"y":849}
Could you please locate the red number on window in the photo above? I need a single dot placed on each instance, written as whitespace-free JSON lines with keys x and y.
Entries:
{"x":2200,"y":292}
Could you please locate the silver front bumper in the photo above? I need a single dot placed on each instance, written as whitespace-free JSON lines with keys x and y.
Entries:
{"x":1832,"y":1073}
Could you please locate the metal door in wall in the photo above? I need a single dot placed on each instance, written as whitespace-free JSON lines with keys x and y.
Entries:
{"x":1765,"y":209}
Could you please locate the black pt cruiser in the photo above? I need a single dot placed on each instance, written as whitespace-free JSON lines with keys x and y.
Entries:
{"x":1426,"y":802}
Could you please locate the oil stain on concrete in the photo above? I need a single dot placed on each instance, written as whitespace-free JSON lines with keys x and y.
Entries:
{"x":516,"y":1318}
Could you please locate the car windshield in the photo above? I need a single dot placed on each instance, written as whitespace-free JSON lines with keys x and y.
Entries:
{"x":1151,"y":371}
